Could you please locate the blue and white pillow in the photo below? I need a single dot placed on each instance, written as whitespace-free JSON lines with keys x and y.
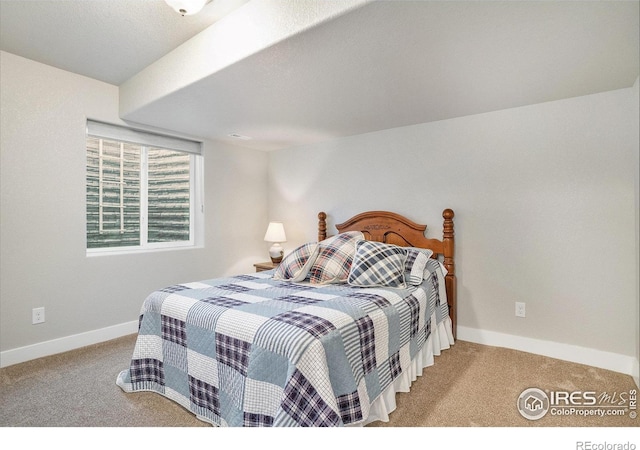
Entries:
{"x":376,"y":264}
{"x":417,"y":259}
{"x":295,"y":266}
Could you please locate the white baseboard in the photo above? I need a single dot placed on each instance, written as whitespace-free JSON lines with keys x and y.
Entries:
{"x":22,"y":354}
{"x":573,"y":353}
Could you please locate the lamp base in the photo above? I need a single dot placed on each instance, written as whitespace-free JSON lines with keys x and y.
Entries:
{"x":276,"y":252}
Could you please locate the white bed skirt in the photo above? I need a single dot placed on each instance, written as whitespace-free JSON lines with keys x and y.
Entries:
{"x":385,"y":404}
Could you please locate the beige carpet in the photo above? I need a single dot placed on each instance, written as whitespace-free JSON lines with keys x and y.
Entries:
{"x":470,"y":385}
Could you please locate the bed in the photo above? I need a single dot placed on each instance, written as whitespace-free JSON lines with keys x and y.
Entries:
{"x":325,"y":339}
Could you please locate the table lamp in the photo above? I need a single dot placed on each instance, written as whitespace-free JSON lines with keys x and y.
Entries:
{"x":275,"y":234}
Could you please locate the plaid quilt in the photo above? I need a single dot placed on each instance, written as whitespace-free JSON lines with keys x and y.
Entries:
{"x":253,"y":351}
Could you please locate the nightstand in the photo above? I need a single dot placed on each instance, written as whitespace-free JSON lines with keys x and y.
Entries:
{"x":260,"y":267}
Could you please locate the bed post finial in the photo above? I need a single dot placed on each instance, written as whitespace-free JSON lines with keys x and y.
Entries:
{"x":322,"y":226}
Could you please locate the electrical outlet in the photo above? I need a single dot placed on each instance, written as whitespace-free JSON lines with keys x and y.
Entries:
{"x":520,"y":309}
{"x":37,"y":315}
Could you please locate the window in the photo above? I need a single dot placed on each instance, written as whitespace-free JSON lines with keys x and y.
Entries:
{"x":142,"y":190}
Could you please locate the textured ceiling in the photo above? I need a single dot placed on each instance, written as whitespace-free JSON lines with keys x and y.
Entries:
{"x":360,"y":67}
{"x":109,"y":40}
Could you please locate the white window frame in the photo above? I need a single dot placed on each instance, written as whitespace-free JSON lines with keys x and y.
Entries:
{"x":196,"y":186}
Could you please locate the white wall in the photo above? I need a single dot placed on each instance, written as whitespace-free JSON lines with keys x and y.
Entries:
{"x":544,"y":203}
{"x":43,"y":261}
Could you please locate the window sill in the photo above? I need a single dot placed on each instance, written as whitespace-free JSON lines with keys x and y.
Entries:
{"x":92,"y":253}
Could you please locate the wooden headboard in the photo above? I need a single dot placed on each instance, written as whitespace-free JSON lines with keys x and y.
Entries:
{"x":392,"y":228}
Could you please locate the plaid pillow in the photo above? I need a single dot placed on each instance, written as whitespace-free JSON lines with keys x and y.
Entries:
{"x":295,"y":266}
{"x":378,"y":264}
{"x":417,"y":259}
{"x":334,"y":258}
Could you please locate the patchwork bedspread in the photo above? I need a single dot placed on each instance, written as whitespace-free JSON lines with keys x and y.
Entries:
{"x":252,"y":351}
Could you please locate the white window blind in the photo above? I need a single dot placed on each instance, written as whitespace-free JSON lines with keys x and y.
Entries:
{"x":141,"y":189}
{"x":124,"y":134}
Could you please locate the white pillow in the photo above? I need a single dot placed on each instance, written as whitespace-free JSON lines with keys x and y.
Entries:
{"x":417,"y":259}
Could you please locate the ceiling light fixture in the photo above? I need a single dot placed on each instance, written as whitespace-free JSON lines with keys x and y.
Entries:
{"x":186,"y":7}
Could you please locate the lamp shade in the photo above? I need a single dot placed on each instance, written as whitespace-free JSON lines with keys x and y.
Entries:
{"x":186,"y":7}
{"x":275,"y":233}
